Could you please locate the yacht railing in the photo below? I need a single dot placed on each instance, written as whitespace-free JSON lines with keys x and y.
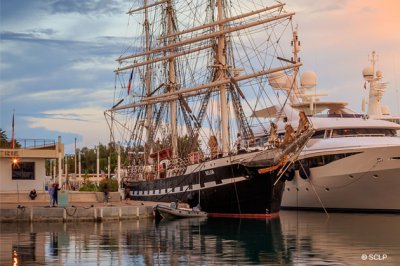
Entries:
{"x":359,"y":135}
{"x":341,"y":115}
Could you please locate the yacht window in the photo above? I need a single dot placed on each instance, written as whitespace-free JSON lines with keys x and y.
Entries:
{"x":320,"y":134}
{"x":337,"y":133}
{"x":351,"y":132}
{"x":328,"y":133}
{"x":324,"y":159}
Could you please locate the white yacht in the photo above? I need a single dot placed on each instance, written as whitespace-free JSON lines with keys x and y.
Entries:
{"x":351,"y":163}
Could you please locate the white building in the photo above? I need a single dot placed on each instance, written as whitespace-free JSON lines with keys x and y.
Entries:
{"x":24,"y":168}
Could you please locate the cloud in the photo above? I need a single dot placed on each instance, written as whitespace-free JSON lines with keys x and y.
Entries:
{"x":88,"y":123}
{"x":85,"y":7}
{"x":86,"y":96}
{"x":4,"y":66}
{"x":324,"y":7}
{"x":9,"y":88}
{"x":98,"y":63}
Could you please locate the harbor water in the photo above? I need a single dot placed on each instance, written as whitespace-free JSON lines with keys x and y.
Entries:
{"x":295,"y":238}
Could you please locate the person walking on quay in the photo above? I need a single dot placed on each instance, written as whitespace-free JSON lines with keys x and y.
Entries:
{"x":51,"y":193}
{"x":127,"y":193}
{"x":55,"y":194}
{"x":106,"y":193}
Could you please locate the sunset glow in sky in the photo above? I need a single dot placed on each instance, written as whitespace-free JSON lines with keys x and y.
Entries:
{"x":57,"y":59}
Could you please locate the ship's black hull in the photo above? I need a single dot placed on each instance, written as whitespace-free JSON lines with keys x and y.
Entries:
{"x":228,"y":190}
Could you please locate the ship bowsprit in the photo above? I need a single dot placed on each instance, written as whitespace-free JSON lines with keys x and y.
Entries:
{"x":275,"y":157}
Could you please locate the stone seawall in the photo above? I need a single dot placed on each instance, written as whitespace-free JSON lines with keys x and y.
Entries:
{"x":75,"y":213}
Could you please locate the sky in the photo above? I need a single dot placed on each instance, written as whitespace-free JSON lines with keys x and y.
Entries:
{"x":57,"y":59}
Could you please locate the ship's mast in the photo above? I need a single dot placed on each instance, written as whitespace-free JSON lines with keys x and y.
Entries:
{"x":296,"y":59}
{"x":148,"y":121}
{"x":221,"y":74}
{"x":172,"y":81}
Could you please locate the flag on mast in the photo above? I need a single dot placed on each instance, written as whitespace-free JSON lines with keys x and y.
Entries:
{"x":129,"y":82}
{"x":12,"y":136}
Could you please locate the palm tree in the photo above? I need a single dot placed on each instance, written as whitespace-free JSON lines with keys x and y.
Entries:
{"x":3,"y":139}
{"x":4,"y":143}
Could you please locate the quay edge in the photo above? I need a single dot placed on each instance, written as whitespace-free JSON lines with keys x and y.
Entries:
{"x":75,"y":213}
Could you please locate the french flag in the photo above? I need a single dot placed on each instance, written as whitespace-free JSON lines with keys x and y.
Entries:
{"x":129,"y":83}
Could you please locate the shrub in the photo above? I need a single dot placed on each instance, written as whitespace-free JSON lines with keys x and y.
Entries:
{"x":111,"y":183}
{"x":89,"y":187}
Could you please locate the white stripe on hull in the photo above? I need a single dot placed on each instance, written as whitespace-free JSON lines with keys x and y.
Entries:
{"x":195,"y":187}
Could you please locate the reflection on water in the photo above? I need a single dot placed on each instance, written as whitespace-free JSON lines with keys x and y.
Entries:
{"x":295,"y":238}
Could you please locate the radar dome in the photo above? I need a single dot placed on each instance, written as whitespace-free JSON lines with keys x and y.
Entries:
{"x":308,"y":80}
{"x":379,"y":74}
{"x":278,"y":80}
{"x":368,"y":73}
{"x":385,"y":110}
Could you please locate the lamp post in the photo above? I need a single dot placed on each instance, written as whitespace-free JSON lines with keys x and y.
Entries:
{"x":119,"y":167}
{"x":108,"y":167}
{"x":59,"y":160}
{"x":75,"y":160}
{"x":79,"y":164}
{"x":65,"y":170}
{"x":98,"y":165}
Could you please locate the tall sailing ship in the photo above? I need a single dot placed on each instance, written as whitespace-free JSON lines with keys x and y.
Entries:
{"x":184,"y":98}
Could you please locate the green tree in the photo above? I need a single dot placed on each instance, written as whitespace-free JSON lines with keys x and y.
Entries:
{"x":3,"y":139}
{"x":4,"y":143}
{"x":111,"y":184}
